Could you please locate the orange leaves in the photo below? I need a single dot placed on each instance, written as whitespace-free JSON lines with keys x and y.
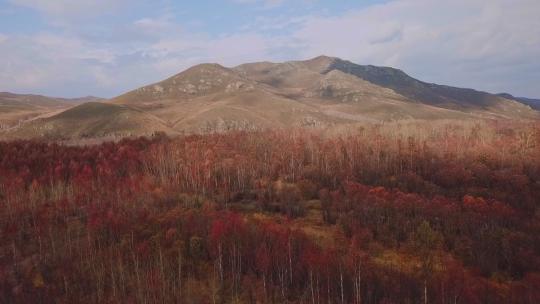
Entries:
{"x":477,"y":204}
{"x":353,"y":189}
{"x":37,"y":281}
{"x":490,"y":208}
{"x":159,"y":211}
{"x":377,"y":191}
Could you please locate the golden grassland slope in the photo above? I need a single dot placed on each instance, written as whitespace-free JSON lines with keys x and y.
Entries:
{"x":265,"y":95}
{"x":93,"y":119}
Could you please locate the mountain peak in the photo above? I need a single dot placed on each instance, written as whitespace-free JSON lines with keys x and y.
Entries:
{"x":208,"y":66}
{"x":323,"y":58}
{"x":321,"y":63}
{"x":204,"y":68}
{"x":199,"y":80}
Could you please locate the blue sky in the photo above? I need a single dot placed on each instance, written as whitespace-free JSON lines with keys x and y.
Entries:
{"x":106,"y":47}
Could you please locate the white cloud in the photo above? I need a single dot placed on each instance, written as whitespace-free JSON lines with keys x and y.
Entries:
{"x":174,"y":52}
{"x":3,"y":38}
{"x":69,"y":7}
{"x":486,"y":45}
{"x":462,"y":42}
{"x":48,"y":62}
{"x":154,"y":24}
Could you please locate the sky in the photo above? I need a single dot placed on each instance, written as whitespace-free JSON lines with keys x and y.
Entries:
{"x":73,"y":48}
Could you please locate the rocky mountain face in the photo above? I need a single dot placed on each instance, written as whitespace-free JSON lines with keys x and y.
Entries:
{"x":428,"y":93}
{"x":320,"y":92}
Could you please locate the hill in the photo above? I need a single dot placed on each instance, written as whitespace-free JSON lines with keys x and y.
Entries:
{"x":410,"y":89}
{"x":341,"y":94}
{"x":92,"y":120}
{"x":15,"y":109}
{"x":210,"y":97}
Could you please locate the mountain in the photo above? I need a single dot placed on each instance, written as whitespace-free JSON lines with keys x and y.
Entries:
{"x":264,"y":95}
{"x":200,"y":80}
{"x":320,"y":92}
{"x":467,"y":100}
{"x":533,"y":103}
{"x":211,"y":97}
{"x":338,"y":93}
{"x":16,"y":109}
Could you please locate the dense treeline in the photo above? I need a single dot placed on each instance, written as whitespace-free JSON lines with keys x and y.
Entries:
{"x":394,"y":213}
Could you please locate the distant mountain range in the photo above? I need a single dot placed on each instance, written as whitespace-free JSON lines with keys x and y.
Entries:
{"x":321,"y":92}
{"x":533,"y":103}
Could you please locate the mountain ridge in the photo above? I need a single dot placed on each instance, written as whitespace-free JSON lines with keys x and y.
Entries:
{"x":319,"y":92}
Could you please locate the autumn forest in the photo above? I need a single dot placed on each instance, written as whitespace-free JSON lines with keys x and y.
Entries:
{"x":404,"y":212}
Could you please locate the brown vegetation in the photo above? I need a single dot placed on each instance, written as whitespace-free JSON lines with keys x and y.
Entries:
{"x":391,"y":213}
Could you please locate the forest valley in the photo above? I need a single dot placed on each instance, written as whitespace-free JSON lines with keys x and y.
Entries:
{"x":409,"y":212}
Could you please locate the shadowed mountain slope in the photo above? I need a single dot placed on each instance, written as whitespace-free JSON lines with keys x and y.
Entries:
{"x":429,"y":93}
{"x":533,"y":103}
{"x":411,"y":89}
